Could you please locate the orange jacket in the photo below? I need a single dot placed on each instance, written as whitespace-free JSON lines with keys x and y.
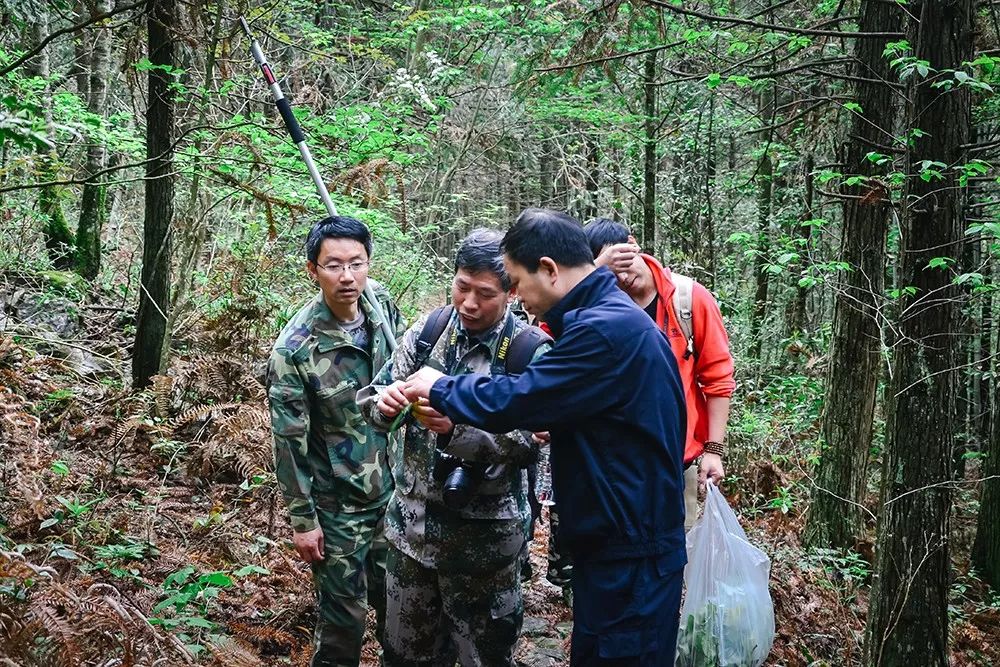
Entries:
{"x":710,"y":371}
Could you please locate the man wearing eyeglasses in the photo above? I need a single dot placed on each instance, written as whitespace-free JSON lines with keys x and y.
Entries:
{"x":331,"y":466}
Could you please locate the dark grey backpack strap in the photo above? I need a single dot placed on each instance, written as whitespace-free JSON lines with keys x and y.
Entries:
{"x":523,"y":347}
{"x":433,"y":328}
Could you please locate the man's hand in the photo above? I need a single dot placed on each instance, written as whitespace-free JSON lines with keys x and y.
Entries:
{"x":419,"y":384}
{"x":541,"y":437}
{"x":309,"y":545}
{"x":618,"y":257}
{"x":710,"y":468}
{"x":431,"y":418}
{"x":392,"y":400}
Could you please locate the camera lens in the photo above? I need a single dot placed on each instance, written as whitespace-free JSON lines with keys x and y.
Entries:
{"x":457,"y":489}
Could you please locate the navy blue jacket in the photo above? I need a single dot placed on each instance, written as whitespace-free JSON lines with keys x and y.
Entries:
{"x":610,"y":394}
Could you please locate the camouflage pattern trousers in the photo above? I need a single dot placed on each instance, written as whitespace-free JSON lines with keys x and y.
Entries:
{"x":351,"y":573}
{"x":435,"y":618}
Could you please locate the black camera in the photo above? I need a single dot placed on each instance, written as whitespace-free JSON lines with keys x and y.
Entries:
{"x":459,"y":478}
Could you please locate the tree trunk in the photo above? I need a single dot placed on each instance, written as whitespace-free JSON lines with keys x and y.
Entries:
{"x":908,"y":616}
{"x":649,"y":156}
{"x":93,"y":211}
{"x":710,"y":169}
{"x":151,"y":321}
{"x":545,"y":186}
{"x":58,"y":237}
{"x":797,"y":320}
{"x":765,"y":178}
{"x":835,"y":515}
{"x":765,"y":191}
{"x":986,"y":549}
{"x":82,"y":58}
{"x":593,"y":167}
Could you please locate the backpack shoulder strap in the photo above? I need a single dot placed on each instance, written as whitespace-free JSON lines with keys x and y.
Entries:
{"x":432,"y":330}
{"x":523,"y":348}
{"x":683,"y":298}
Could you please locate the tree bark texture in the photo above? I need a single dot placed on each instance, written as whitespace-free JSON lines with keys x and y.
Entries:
{"x":649,"y":155}
{"x":796,"y":321}
{"x":835,"y":514}
{"x":908,"y":616}
{"x":55,"y":229}
{"x":765,"y":191}
{"x":986,"y":549}
{"x":154,"y":298}
{"x":93,"y":211}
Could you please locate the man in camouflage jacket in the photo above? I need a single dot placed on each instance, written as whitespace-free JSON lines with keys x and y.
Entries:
{"x":332,"y":467}
{"x":453,"y":590}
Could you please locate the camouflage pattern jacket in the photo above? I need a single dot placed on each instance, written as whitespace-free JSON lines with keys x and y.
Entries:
{"x":490,"y":531}
{"x":325,"y":454}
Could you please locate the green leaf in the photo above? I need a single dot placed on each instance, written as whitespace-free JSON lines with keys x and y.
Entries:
{"x":877,"y":158}
{"x":220,"y":579}
{"x":853,"y":106}
{"x":64,"y":552}
{"x":48,"y":523}
{"x":895,"y":47}
{"x":940,"y":263}
{"x":713,"y":80}
{"x":179,"y":577}
{"x":247,"y":570}
{"x":987,"y":63}
{"x":60,"y":468}
{"x":974,"y":279}
{"x":198,"y":622}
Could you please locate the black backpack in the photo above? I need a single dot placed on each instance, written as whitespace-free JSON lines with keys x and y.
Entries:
{"x":513,"y":356}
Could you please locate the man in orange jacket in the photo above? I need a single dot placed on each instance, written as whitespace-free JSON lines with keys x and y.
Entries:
{"x":705,"y":363}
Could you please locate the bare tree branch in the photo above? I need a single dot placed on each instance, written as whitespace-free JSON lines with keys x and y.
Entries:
{"x":733,"y":20}
{"x":95,"y":18}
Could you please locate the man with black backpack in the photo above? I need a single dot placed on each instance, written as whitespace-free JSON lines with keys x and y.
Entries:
{"x":610,"y":396}
{"x":458,"y":521}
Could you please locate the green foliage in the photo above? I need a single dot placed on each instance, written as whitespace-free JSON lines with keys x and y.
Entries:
{"x":846,"y":571}
{"x":188,"y":597}
{"x":698,"y":643}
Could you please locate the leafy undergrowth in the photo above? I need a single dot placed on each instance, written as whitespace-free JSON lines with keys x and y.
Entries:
{"x":137,"y":528}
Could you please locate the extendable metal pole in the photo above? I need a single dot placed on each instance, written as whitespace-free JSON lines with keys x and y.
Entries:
{"x":299,"y":139}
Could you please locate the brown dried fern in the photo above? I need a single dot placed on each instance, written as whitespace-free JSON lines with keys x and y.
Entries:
{"x":45,"y":623}
{"x":233,"y":653}
{"x":162,"y":387}
{"x":200,"y":412}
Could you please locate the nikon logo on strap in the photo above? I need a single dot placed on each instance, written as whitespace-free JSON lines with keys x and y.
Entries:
{"x":502,"y":350}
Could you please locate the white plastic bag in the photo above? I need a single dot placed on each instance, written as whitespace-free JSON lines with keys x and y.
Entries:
{"x":728,"y":618}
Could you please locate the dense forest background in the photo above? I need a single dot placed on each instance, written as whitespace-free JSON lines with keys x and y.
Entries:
{"x":826,"y":168}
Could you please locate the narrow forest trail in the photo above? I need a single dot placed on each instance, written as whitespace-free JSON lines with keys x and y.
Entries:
{"x":160,"y":502}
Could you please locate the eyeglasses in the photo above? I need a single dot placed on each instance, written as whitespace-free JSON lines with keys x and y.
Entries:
{"x":336,"y":269}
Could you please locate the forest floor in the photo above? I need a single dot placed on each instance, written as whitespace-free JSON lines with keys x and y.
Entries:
{"x":147,"y":526}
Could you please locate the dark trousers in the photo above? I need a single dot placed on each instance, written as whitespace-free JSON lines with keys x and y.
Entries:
{"x":626,"y":612}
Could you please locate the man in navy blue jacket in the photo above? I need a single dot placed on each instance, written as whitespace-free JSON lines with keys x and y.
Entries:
{"x":610,"y":394}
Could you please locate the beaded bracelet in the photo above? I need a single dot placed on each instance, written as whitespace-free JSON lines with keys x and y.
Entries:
{"x":713,"y":447}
